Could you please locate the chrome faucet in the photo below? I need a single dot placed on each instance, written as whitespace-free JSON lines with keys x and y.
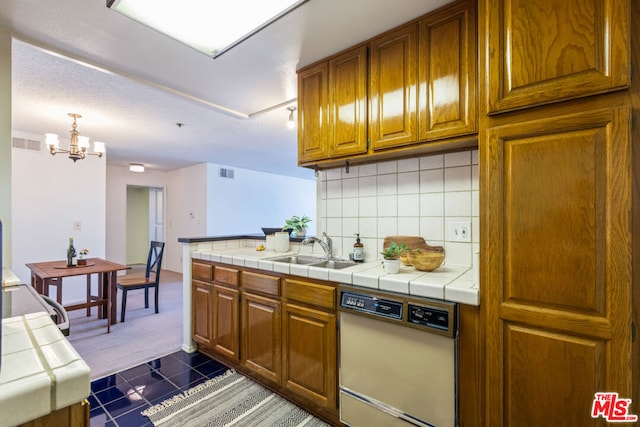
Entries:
{"x":327,"y":246}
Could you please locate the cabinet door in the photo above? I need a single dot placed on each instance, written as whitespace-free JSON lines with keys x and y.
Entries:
{"x":262,"y":336}
{"x":312,"y":113}
{"x":348,"y":103}
{"x":309,"y":359}
{"x":226,"y":333}
{"x":202,"y":305}
{"x":447,"y":72}
{"x":557,"y":275}
{"x":542,"y":51}
{"x":393,"y":89}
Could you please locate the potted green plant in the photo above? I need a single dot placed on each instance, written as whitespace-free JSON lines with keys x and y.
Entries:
{"x":298,"y":224}
{"x":391,"y":257}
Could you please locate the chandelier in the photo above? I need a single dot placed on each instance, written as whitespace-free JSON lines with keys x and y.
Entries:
{"x":78,"y":146}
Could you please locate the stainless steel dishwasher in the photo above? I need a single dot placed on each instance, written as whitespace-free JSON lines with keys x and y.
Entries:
{"x":398,"y":359}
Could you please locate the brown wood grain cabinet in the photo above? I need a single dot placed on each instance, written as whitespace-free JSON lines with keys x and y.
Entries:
{"x":309,"y":354}
{"x":310,"y":341}
{"x":447,"y":72}
{"x":202,"y":312}
{"x":313,"y":112}
{"x":557,"y":282}
{"x":546,"y":51}
{"x":393,"y":84}
{"x":226,"y":321}
{"x":277,"y":329}
{"x":407,"y":91}
{"x":348,"y":103}
{"x":262,"y":336}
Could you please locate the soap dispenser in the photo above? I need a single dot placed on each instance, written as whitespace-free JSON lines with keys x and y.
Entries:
{"x":358,"y":250}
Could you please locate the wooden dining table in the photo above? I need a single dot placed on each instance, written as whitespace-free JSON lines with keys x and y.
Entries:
{"x":44,"y":273}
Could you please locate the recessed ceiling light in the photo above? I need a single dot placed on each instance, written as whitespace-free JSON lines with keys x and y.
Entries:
{"x":212,"y":27}
{"x":136,"y":167}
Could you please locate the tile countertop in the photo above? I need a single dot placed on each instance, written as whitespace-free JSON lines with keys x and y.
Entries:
{"x":448,"y":282}
{"x":40,"y":371}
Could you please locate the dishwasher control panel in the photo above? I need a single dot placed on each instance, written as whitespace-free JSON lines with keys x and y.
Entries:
{"x":429,"y":316}
{"x":372,"y":305}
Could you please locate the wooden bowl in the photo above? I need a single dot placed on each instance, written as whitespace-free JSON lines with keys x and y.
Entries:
{"x":426,"y":260}
{"x":404,"y":258}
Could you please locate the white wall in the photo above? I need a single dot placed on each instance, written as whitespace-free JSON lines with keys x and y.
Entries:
{"x":50,"y":194}
{"x":118,"y":177}
{"x":411,"y":197}
{"x":252,"y":200}
{"x":5,"y":145}
{"x":186,"y":193}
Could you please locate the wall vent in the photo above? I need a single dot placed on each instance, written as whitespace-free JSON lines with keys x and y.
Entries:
{"x":26,"y":144}
{"x":226,"y":173}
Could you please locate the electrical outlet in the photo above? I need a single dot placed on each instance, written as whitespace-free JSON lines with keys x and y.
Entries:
{"x":77,"y":225}
{"x":460,"y":231}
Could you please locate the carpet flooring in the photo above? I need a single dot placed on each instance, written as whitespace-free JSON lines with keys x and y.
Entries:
{"x":142,"y":337}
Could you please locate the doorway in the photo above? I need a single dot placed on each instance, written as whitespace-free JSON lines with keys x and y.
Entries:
{"x":145,"y":208}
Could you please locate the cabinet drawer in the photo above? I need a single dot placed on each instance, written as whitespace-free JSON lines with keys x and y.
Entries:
{"x":261,"y":283}
{"x":200,"y":271}
{"x":226,"y":275}
{"x":310,"y":293}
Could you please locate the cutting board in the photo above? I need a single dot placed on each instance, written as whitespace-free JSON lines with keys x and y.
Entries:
{"x":412,"y":242}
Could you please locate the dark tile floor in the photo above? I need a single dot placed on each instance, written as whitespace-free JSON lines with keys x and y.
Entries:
{"x":118,"y":399}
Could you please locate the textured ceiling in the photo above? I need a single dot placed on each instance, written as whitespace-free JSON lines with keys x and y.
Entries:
{"x":141,"y":83}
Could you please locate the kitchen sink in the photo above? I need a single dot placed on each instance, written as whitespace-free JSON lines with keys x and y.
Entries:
{"x":297,"y":259}
{"x":314,"y":261}
{"x":334,"y":264}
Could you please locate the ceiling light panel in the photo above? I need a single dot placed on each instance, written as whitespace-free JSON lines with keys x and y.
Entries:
{"x":211,"y":27}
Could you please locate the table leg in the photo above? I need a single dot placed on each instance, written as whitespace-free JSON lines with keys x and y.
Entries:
{"x":113,"y":297}
{"x":37,"y":283}
{"x":89,"y":294}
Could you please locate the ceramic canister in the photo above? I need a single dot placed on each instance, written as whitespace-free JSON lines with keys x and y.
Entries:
{"x":269,"y":242}
{"x":281,"y":243}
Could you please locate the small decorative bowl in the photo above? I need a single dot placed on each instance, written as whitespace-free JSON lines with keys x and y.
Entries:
{"x":404,"y":258}
{"x":426,"y":260}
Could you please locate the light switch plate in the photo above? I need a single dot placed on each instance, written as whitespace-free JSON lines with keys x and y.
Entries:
{"x":459,"y":231}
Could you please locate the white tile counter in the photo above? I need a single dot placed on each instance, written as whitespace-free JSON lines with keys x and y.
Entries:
{"x":40,"y":371}
{"x":448,"y":282}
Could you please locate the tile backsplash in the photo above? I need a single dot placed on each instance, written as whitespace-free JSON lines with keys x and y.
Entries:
{"x":413,"y":197}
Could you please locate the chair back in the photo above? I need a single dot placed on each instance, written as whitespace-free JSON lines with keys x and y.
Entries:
{"x":154,"y":260}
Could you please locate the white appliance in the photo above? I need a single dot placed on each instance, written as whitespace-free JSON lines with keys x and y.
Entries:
{"x":398,"y":360}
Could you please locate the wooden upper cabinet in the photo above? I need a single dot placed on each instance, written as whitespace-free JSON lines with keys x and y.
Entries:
{"x":312,"y":113}
{"x":393,"y":88}
{"x":447,"y":72}
{"x":542,"y":51}
{"x":348,"y":103}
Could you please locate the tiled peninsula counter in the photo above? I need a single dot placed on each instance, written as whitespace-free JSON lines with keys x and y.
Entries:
{"x":43,"y":380}
{"x":456,"y":283}
{"x":296,"y":306}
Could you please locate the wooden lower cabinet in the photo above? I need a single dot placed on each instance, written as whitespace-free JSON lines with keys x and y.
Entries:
{"x":276,"y":329}
{"x":225,"y":313}
{"x":76,"y":415}
{"x":309,"y":355}
{"x":262,"y":336}
{"x":201,"y":314}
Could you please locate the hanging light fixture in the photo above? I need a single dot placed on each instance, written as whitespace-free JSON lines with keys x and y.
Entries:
{"x":291,"y":123}
{"x":78,"y":146}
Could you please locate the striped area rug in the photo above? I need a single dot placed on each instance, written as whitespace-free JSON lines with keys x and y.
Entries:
{"x":230,"y":399}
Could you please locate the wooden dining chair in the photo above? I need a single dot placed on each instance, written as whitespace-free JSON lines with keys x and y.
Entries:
{"x":151,"y":278}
